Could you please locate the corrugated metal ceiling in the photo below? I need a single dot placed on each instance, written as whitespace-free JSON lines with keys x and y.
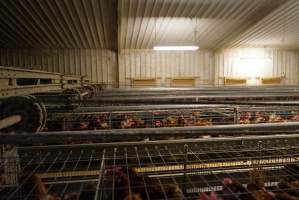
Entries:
{"x":58,"y":23}
{"x":209,"y":23}
{"x":144,"y":23}
{"x":279,"y":29}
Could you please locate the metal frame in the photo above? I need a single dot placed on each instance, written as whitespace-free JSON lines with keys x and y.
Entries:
{"x":190,"y":97}
{"x":277,"y":139}
{"x":148,"y":133}
{"x":10,"y":76}
{"x":141,"y":108}
{"x":192,"y":166}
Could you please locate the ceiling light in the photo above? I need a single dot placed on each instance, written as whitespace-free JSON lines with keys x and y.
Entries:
{"x":256,"y":59}
{"x":176,"y":48}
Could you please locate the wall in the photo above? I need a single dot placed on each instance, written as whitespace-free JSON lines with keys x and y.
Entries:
{"x":98,"y":65}
{"x":245,"y":62}
{"x":162,"y":64}
{"x":101,"y":65}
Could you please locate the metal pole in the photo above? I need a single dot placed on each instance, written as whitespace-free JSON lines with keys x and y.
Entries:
{"x":10,"y":121}
{"x":236,"y":115}
{"x":140,"y":133}
{"x":99,"y":189}
{"x":185,"y":169}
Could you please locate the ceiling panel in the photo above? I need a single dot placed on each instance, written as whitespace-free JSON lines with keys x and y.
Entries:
{"x":211,"y":24}
{"x":58,"y":23}
{"x":208,"y":23}
{"x":279,"y":29}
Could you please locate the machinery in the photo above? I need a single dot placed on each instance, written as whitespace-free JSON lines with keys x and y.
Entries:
{"x":247,"y":152}
{"x":22,"y":114}
{"x":69,"y":98}
{"x":29,"y":113}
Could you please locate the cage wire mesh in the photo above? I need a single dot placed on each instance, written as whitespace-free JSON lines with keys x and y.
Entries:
{"x":162,"y":171}
{"x":9,"y":166}
{"x":86,"y":119}
{"x":140,"y":119}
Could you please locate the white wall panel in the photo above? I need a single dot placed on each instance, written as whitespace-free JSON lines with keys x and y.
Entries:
{"x":165,"y":64}
{"x":101,"y":65}
{"x":98,"y":65}
{"x":247,"y":62}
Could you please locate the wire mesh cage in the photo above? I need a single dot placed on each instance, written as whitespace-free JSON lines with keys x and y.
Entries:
{"x":231,"y":169}
{"x":267,"y":114}
{"x":155,"y":118}
{"x":126,"y":117}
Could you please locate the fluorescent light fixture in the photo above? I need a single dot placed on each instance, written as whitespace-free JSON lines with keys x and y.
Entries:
{"x":256,"y":59}
{"x":176,"y":48}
